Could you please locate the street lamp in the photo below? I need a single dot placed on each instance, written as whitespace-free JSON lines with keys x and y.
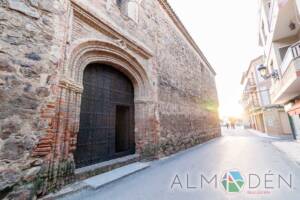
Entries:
{"x":265,"y":75}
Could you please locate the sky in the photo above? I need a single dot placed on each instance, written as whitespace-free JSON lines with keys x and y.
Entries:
{"x":227,"y":34}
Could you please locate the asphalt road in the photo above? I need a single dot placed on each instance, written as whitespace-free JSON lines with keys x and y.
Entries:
{"x":265,"y":173}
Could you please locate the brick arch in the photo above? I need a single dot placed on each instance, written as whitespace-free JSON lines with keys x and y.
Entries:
{"x":95,"y":51}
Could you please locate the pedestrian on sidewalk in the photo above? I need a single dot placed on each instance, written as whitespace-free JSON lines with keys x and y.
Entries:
{"x":232,"y":124}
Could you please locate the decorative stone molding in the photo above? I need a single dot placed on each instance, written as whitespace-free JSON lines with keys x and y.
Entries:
{"x":121,"y":43}
{"x":65,"y":83}
{"x":90,"y":18}
{"x":91,"y":50}
{"x":144,"y":101}
{"x":84,"y":52}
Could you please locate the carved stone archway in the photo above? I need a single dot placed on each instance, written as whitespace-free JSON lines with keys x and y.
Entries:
{"x":57,"y":147}
{"x":93,"y":51}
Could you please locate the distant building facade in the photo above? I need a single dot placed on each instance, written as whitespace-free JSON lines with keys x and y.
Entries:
{"x":279,"y":34}
{"x":83,"y":82}
{"x":260,"y":114}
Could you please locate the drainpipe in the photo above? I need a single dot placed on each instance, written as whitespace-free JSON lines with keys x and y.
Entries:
{"x":292,"y":126}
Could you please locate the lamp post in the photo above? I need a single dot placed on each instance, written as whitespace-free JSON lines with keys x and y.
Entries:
{"x":263,"y":71}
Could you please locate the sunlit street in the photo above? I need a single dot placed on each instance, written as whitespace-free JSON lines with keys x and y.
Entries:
{"x":238,"y":150}
{"x":149,"y":99}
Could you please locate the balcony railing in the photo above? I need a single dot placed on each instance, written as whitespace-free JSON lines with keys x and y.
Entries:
{"x":292,"y":53}
{"x":250,"y":99}
{"x":288,"y":75}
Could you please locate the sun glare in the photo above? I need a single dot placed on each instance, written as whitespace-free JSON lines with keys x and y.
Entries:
{"x":231,"y":110}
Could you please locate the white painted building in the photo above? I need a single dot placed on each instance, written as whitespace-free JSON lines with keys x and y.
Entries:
{"x":279,"y":34}
{"x":260,"y":113}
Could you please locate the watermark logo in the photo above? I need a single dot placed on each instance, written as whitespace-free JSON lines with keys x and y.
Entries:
{"x":233,"y":181}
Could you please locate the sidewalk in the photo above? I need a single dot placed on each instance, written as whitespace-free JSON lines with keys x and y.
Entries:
{"x":290,"y":148}
{"x":286,"y":145}
{"x":260,"y":134}
{"x":251,"y":132}
{"x":235,"y":150}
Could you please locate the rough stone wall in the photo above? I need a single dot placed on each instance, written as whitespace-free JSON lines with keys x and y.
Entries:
{"x":30,"y":49}
{"x":186,"y":93}
{"x":40,"y":99}
{"x":146,"y":115}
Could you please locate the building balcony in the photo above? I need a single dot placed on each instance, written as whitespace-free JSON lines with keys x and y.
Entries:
{"x":288,"y":87}
{"x":283,"y":18}
{"x":250,"y":100}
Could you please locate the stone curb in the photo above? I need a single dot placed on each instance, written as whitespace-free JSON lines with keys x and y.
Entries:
{"x":99,"y":181}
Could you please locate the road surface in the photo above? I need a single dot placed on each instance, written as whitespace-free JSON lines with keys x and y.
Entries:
{"x":255,"y":169}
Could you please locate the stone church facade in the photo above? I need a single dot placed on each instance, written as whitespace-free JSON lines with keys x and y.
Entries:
{"x":87,"y":81}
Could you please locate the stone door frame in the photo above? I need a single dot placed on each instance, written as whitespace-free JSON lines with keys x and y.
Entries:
{"x":85,"y":52}
{"x":63,"y":114}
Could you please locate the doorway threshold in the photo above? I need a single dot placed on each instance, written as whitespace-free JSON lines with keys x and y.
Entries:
{"x":93,"y":170}
{"x":109,"y":177}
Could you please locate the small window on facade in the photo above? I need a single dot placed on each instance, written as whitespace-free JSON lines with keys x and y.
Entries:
{"x":129,"y":8}
{"x":119,"y":3}
{"x":133,"y":10}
